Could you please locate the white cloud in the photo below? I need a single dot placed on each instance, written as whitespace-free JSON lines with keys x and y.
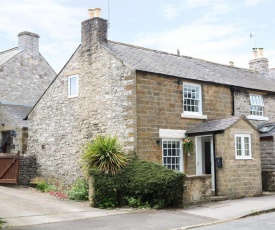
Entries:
{"x":57,"y":23}
{"x":198,"y":40}
{"x":171,"y":12}
{"x":254,"y":2}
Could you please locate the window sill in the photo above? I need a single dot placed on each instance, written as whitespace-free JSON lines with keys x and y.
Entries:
{"x":72,"y":96}
{"x":258,"y":118}
{"x":194,"y":116}
{"x":250,"y":158}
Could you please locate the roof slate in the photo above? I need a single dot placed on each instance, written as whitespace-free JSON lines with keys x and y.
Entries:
{"x":7,"y":55}
{"x":187,"y":67}
{"x":19,"y":112}
{"x":213,"y":125}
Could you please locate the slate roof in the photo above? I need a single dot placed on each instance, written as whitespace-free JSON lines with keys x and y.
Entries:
{"x":213,"y":126}
{"x":272,"y":73}
{"x":267,"y":129}
{"x":187,"y":67}
{"x":7,"y":55}
{"x":19,"y":112}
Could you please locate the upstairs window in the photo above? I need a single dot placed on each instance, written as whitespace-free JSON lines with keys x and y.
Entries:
{"x":192,"y":99}
{"x":73,"y":86}
{"x":243,"y":146}
{"x":256,"y":105}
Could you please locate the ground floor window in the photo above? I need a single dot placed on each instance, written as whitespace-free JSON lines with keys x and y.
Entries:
{"x":172,"y":154}
{"x":243,"y":146}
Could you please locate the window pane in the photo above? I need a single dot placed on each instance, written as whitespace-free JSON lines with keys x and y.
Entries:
{"x":192,"y":98}
{"x":246,"y":146}
{"x":256,"y":105}
{"x":239,"y":146}
{"x":171,"y":152}
{"x":73,"y":86}
{"x":243,"y":146}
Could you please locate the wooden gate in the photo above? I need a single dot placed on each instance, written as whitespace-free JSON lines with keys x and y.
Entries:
{"x":9,"y":168}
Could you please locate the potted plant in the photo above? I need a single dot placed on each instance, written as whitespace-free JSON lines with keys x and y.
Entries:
{"x":187,"y":145}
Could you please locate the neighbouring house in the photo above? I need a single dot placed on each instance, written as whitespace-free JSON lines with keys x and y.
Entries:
{"x":152,"y":100}
{"x":24,"y":76}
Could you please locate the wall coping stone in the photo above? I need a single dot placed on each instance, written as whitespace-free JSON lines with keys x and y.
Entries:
{"x":190,"y":177}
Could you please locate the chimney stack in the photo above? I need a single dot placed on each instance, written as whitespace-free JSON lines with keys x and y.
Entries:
{"x":259,"y":63}
{"x":231,"y":63}
{"x":28,"y":40}
{"x":94,"y":29}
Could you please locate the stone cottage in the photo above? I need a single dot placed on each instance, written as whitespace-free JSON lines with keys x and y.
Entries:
{"x":24,"y":76}
{"x":151,"y":100}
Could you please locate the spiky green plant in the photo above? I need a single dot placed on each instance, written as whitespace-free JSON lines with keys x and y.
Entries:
{"x":104,"y":153}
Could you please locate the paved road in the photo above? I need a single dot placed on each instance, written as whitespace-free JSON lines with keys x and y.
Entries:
{"x":147,"y":220}
{"x":261,"y":222}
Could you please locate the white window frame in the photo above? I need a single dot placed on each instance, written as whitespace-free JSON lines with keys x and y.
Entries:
{"x":200,"y":100}
{"x":260,"y":104}
{"x":69,"y":86}
{"x":243,"y":156}
{"x":253,"y":102}
{"x":190,"y":114}
{"x":181,"y":165}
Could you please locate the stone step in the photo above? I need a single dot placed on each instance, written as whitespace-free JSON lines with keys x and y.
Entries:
{"x":218,"y":198}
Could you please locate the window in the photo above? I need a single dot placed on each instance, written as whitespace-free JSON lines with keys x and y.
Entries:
{"x":243,"y":146}
{"x":192,"y":99}
{"x":172,"y":154}
{"x":256,"y":105}
{"x":73,"y":86}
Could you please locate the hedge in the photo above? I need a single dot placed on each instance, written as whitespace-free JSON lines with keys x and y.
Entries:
{"x":140,"y":184}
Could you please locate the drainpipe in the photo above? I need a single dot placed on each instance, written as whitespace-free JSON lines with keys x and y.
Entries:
{"x":215,"y":171}
{"x":232,"y":90}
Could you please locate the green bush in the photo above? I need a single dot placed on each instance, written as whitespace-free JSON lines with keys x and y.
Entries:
{"x":1,"y":223}
{"x":43,"y":186}
{"x":105,"y":154}
{"x":79,"y":190}
{"x":140,"y":184}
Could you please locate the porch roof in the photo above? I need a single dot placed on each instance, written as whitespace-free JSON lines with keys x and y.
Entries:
{"x":213,"y":126}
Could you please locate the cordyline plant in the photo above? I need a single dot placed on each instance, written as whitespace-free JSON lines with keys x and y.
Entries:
{"x":104,"y":153}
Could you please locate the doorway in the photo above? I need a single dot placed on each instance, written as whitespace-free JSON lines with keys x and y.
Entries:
{"x":205,"y":157}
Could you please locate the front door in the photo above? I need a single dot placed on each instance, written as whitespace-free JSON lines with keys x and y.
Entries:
{"x":205,"y":157}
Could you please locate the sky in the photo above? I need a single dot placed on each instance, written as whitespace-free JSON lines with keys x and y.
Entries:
{"x":213,"y":30}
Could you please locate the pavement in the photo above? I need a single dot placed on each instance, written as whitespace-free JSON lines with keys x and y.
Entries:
{"x":27,"y":207}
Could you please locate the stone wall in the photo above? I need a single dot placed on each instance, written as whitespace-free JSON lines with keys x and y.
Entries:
{"x":242,"y":105}
{"x":24,"y":78}
{"x":238,"y":178}
{"x":160,"y":104}
{"x":197,"y":189}
{"x":27,"y":169}
{"x":268,"y":163}
{"x":19,"y":143}
{"x":60,"y":126}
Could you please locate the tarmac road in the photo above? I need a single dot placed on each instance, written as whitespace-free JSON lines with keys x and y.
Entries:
{"x":146,"y":220}
{"x":260,"y":222}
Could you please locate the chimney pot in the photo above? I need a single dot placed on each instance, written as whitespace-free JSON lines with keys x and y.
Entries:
{"x":97,"y":12}
{"x":255,"y":53}
{"x":231,"y":63}
{"x":93,"y":30}
{"x":91,"y":13}
{"x":260,"y":52}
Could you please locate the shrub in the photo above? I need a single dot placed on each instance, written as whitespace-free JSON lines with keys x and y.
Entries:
{"x":104,"y":153}
{"x":79,"y":190}
{"x":42,"y":186}
{"x":140,"y":184}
